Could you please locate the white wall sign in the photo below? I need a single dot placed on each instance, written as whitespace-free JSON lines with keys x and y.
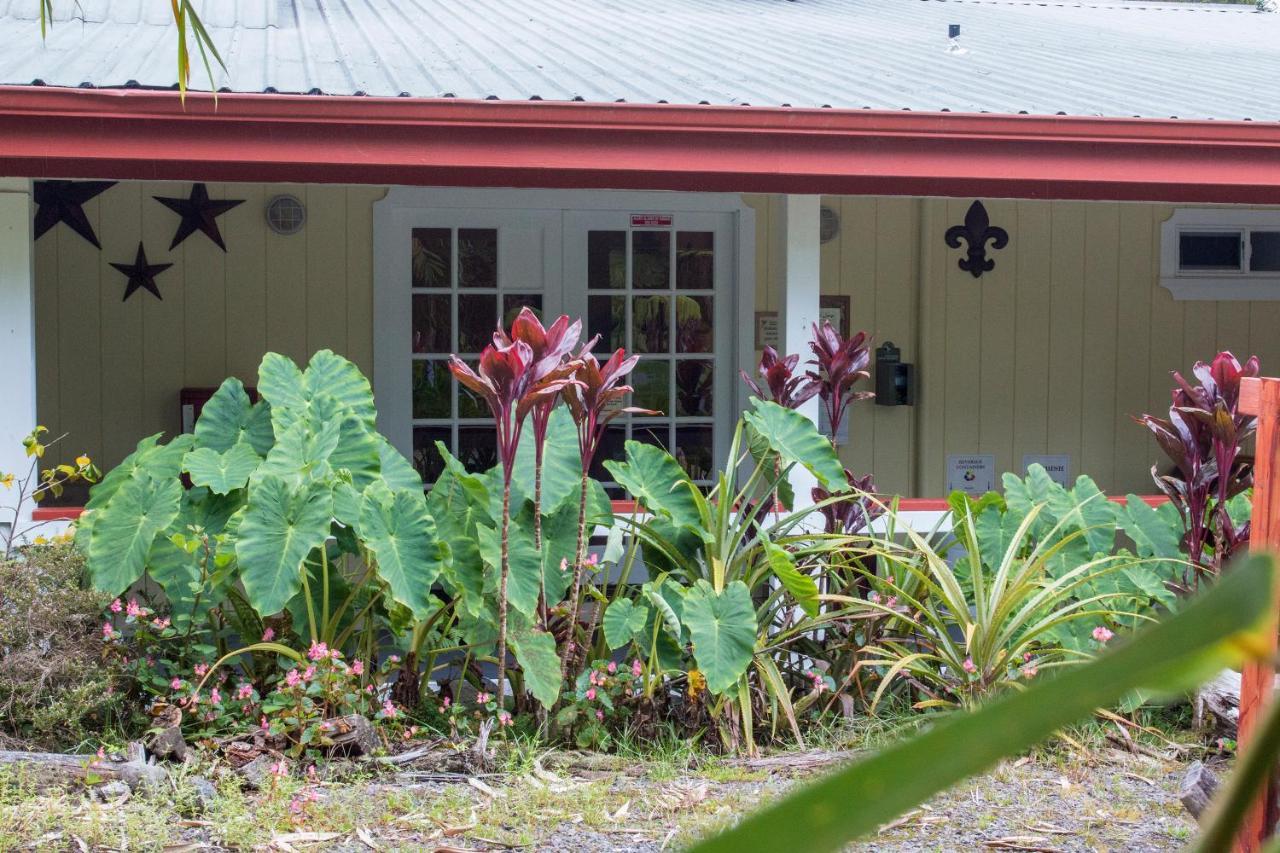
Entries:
{"x":1056,"y":465}
{"x":973,"y":474}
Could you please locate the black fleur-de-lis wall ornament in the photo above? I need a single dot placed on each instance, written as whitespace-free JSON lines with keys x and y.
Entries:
{"x":63,"y":201}
{"x":977,"y":231}
{"x":141,"y":274}
{"x":199,"y":213}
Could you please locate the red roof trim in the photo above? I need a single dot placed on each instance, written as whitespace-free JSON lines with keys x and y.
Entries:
{"x":140,"y":134}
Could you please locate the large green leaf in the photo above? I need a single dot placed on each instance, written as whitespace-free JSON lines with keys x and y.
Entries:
{"x":559,"y":544}
{"x":282,"y":524}
{"x":723,"y":629}
{"x":301,"y":453}
{"x":1216,"y":630}
{"x":397,"y":471}
{"x":523,"y":581}
{"x":230,"y":417}
{"x":561,"y":463}
{"x":802,"y":587}
{"x":336,"y":376}
{"x":223,"y":472}
{"x":401,"y":534}
{"x":656,"y":480}
{"x":625,"y":621}
{"x":535,"y":651}
{"x":281,"y":384}
{"x":796,"y":439}
{"x":126,"y":527}
{"x":177,"y":570}
{"x":457,"y":510}
{"x":1154,"y":534}
{"x":161,"y":461}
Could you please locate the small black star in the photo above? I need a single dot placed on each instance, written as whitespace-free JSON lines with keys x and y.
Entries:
{"x":141,"y":274}
{"x":60,"y":201}
{"x":198,"y":212}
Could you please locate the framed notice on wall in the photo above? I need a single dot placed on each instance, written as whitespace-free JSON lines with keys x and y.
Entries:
{"x":835,"y":310}
{"x":974,"y":474}
{"x":766,"y":329}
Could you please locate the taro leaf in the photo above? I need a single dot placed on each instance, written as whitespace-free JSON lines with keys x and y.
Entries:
{"x":346,"y":504}
{"x":282,"y":524}
{"x":161,"y":461}
{"x":397,"y":471}
{"x":667,"y":603}
{"x":523,"y":585}
{"x":1219,"y":629}
{"x":122,"y":536}
{"x":177,"y":571}
{"x":1095,"y":511}
{"x":224,"y":472}
{"x":281,"y":384}
{"x":535,"y":651}
{"x":1154,"y":534}
{"x":301,"y":453}
{"x":796,"y":439}
{"x":802,"y":587}
{"x":624,"y":621}
{"x":723,"y":629}
{"x":561,"y":464}
{"x":334,"y":375}
{"x":996,"y":531}
{"x":559,"y":543}
{"x":656,"y":480}
{"x":230,"y":417}
{"x":290,"y":390}
{"x":456,"y":512}
{"x":401,"y":534}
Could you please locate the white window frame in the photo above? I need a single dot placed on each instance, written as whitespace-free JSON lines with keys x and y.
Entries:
{"x":394,"y":216}
{"x":1217,"y":285}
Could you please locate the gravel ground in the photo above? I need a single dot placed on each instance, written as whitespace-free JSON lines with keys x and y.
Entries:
{"x":1108,"y":801}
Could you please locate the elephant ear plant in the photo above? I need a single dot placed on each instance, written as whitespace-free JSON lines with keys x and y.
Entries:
{"x":296,"y":504}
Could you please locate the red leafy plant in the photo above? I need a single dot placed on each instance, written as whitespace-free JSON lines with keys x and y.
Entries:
{"x":512,"y":381}
{"x":595,"y":399}
{"x":840,"y":363}
{"x":1203,"y":436}
{"x":782,"y":384}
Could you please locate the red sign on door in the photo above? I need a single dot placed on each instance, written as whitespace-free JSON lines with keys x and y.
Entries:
{"x":651,"y":220}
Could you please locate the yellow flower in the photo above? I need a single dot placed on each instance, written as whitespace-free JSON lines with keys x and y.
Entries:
{"x":6,"y":480}
{"x":83,"y":461}
{"x":40,"y":540}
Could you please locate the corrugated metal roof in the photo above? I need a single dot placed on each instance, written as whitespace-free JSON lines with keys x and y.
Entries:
{"x":1084,"y":58}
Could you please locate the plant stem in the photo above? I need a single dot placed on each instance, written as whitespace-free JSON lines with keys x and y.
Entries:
{"x":311,"y":609}
{"x":324,"y":579}
{"x":502,"y":591}
{"x":579,"y":555}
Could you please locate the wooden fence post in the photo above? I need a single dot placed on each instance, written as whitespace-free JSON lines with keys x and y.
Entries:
{"x":1261,"y":397}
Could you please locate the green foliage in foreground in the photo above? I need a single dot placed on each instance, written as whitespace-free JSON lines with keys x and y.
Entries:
{"x":1223,"y":628}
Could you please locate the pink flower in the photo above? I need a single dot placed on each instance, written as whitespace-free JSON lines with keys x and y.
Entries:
{"x":280,"y":768}
{"x":102,"y":755}
{"x":263,"y":724}
{"x":389,"y":709}
{"x":593,"y":559}
{"x":504,"y":719}
{"x":133,"y":609}
{"x":591,"y":694}
{"x":245,"y":691}
{"x":160,"y":624}
{"x":446,"y":702}
{"x":318,"y":651}
{"x":968,"y":666}
{"x":1029,"y":671}
{"x":1102,"y":634}
{"x":599,"y":715}
{"x":215,"y":698}
{"x":483,"y":698}
{"x":818,"y":683}
{"x":309,"y":674}
{"x":612,"y":667}
{"x":636,"y":668}
{"x":394,"y":659}
{"x":873,"y":597}
{"x":292,"y":678}
{"x":107,"y":630}
{"x":564,"y":564}
{"x":893,"y":601}
{"x":368,"y":688}
{"x":201,"y":669}
{"x":357,"y":668}
{"x":1026,"y":656}
{"x":116,"y":606}
{"x":268,"y":635}
{"x":176,"y":684}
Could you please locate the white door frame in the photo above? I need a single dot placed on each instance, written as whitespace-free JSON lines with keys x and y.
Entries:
{"x":17,"y":331}
{"x":404,"y":207}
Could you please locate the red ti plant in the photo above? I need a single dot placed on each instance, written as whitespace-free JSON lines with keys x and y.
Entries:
{"x":594,"y":400}
{"x":1202,"y":436}
{"x":856,"y":510}
{"x":785,"y":387}
{"x":511,"y":382}
{"x":840,"y":363}
{"x":550,"y":348}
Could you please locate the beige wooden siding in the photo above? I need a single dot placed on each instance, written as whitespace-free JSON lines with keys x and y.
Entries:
{"x":109,"y":372}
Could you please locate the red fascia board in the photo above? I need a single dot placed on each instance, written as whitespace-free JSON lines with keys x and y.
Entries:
{"x":150,"y":135}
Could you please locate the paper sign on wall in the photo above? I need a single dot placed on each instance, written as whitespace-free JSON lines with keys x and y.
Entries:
{"x":1056,"y":465}
{"x":973,"y":474}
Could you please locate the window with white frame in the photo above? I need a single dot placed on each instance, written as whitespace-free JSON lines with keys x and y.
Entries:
{"x":1221,"y":254}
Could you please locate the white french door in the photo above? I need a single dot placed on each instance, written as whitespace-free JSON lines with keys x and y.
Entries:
{"x":658,"y":284}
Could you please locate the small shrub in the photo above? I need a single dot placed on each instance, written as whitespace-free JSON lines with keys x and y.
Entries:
{"x":55,"y":689}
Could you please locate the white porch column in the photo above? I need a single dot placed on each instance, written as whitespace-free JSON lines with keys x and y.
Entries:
{"x":800,"y":289}
{"x":17,"y":330}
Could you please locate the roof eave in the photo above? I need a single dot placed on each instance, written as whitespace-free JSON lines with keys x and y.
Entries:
{"x":152,"y":135}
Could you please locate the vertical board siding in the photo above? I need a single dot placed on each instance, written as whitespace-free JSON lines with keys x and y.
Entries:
{"x":110,"y":371}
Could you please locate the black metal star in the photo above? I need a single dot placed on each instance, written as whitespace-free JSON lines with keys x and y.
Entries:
{"x":198,"y":212}
{"x":141,"y":274}
{"x":61,"y":201}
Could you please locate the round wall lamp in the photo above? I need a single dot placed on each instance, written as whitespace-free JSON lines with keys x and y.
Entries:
{"x":285,"y":214}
